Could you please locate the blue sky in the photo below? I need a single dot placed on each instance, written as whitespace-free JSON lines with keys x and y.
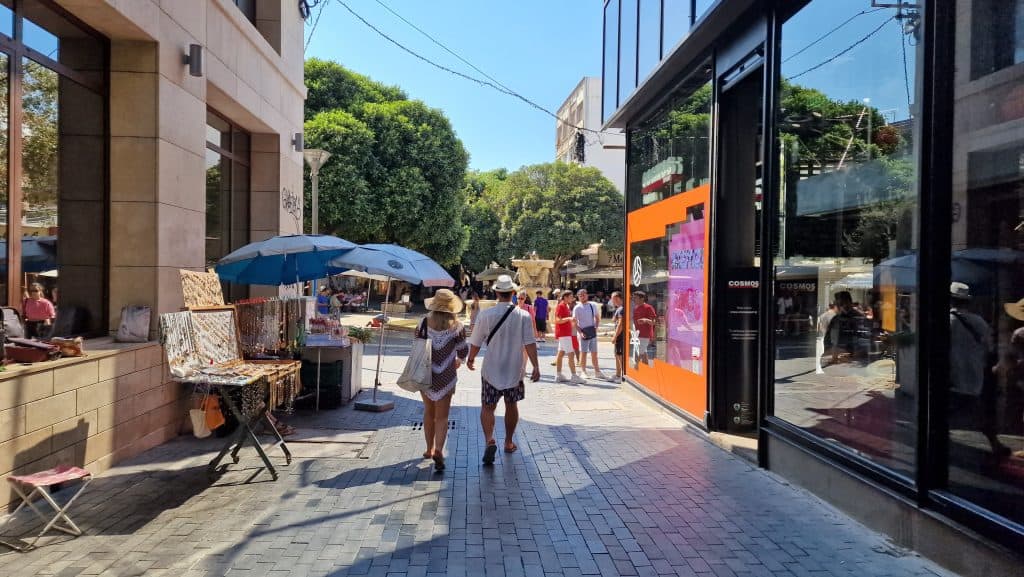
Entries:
{"x":540,"y":48}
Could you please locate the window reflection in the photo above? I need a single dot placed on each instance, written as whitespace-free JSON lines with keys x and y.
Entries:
{"x":649,"y":50}
{"x":986,"y":389}
{"x":846,"y":268}
{"x":227,"y":194}
{"x":676,"y":24}
{"x":610,"y":82}
{"x":627,"y":49}
{"x":670,"y":154}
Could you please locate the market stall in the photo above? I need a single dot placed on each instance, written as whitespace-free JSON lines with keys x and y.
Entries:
{"x":204,"y":350}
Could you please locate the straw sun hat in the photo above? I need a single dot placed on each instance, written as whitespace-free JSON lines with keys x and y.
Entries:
{"x":504,"y":284}
{"x":444,"y":301}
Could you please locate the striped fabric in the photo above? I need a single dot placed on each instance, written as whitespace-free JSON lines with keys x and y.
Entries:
{"x":445,"y":346}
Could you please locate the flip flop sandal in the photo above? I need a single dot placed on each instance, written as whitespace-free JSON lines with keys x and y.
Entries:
{"x":511,"y":449}
{"x":490,"y":453}
{"x":438,"y":463}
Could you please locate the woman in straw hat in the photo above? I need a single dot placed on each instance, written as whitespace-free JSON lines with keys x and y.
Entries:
{"x":448,"y":350}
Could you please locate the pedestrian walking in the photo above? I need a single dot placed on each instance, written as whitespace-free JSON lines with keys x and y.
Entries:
{"x":587,"y":318}
{"x":448,"y":349}
{"x":619,"y":335}
{"x":506,"y":331}
{"x":644,"y":319}
{"x":974,"y":391}
{"x":563,"y":334}
{"x":540,"y":310}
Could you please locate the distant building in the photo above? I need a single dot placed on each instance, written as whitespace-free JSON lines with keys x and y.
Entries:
{"x":605,"y":152}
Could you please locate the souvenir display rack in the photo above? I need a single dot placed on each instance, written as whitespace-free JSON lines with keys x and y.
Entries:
{"x":203,"y":348}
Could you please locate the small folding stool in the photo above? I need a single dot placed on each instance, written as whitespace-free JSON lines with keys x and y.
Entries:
{"x":39,"y":483}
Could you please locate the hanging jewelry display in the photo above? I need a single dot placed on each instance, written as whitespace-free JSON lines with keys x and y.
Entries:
{"x":201,"y":289}
{"x":216,"y":335}
{"x":176,"y":335}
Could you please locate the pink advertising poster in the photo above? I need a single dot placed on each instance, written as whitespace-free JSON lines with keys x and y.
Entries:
{"x":685,"y":327}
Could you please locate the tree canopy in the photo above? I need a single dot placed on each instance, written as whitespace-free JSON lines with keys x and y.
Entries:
{"x":397,"y":169}
{"x":556,"y":209}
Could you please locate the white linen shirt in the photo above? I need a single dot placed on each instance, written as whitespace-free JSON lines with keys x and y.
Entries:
{"x":585,"y":314}
{"x":504,"y":362}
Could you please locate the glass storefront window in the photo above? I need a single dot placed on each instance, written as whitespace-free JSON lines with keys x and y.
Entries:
{"x":997,"y":36}
{"x":627,"y":49}
{"x":7,"y":18}
{"x":846,"y":294}
{"x":702,"y":7}
{"x":227,"y":194}
{"x":610,"y":82}
{"x":670,"y":154}
{"x":649,"y":50}
{"x":675,"y":25}
{"x":986,"y":352}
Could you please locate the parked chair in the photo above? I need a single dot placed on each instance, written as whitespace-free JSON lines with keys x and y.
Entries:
{"x":40,"y":483}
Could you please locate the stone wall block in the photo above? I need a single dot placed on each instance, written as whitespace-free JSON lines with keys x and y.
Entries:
{"x":46,"y":412}
{"x":75,"y":376}
{"x":94,"y":396}
{"x":117,"y":365}
{"x":25,"y":389}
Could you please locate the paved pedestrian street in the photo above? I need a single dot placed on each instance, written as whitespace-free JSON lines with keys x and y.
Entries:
{"x":604,"y":483}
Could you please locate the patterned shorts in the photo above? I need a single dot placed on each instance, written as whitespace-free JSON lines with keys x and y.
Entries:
{"x":490,"y":396}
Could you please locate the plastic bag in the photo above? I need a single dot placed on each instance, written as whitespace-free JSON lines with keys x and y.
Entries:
{"x":134,"y":325}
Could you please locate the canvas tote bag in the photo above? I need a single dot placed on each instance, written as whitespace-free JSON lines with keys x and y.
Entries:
{"x":417,"y":375}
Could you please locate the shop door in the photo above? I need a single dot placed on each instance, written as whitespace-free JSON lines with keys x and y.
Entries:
{"x":737,"y":252}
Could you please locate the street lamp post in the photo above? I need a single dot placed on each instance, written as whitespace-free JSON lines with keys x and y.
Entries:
{"x":315,"y":158}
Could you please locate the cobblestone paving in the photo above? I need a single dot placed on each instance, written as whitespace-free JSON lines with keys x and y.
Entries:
{"x":605,"y":483}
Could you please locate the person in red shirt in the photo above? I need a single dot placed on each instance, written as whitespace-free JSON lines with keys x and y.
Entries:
{"x":563,"y":334}
{"x":644,"y":319}
{"x":39,"y":312}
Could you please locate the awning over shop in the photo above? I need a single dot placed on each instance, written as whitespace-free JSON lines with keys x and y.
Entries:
{"x":601,"y":272}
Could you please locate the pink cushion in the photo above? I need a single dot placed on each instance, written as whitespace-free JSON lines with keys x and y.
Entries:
{"x":59,"y":474}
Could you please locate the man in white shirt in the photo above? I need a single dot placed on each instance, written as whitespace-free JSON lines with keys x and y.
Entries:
{"x":507,"y":331}
{"x":587,"y":317}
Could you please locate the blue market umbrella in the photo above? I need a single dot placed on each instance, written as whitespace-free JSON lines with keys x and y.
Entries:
{"x":283,"y":259}
{"x":393,"y":262}
{"x":38,"y":254}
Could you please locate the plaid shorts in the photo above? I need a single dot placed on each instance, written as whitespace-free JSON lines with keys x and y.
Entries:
{"x":490,"y":396}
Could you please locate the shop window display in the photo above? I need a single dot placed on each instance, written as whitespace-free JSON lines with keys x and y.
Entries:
{"x":985,"y":405}
{"x":848,"y":221}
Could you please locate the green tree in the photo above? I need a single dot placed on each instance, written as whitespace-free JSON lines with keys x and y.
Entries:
{"x":397,"y":170}
{"x":558,"y":209}
{"x":483,"y":218}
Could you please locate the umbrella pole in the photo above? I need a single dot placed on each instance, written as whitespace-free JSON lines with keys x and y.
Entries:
{"x":380,"y":345}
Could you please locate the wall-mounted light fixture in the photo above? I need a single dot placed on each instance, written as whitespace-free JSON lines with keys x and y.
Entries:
{"x":194,"y":59}
{"x":298,"y":142}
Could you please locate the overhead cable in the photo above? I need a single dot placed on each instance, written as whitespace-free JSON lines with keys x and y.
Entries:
{"x":829,"y":33}
{"x":481,"y":82}
{"x":842,"y":52}
{"x":315,"y":22}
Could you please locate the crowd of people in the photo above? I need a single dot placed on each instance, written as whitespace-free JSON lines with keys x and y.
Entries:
{"x":509,"y":332}
{"x":334,"y":302}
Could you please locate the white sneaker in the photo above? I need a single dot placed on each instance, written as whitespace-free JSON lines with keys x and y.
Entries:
{"x":561,"y":378}
{"x":578,"y":380}
{"x":599,"y":375}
